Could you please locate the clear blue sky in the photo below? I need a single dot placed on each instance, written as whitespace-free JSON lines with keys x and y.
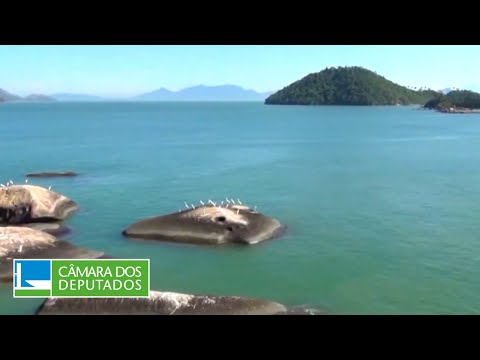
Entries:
{"x":131,"y":70}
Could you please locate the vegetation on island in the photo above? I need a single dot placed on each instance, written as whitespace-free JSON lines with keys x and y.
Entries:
{"x":348,"y":86}
{"x":455,"y":101}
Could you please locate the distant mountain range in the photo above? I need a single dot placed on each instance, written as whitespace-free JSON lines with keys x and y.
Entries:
{"x":194,"y":93}
{"x":204,"y":93}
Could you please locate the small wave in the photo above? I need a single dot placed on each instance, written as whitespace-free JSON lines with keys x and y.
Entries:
{"x":424,"y":138}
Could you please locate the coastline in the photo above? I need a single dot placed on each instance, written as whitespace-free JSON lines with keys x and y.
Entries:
{"x":457,"y":110}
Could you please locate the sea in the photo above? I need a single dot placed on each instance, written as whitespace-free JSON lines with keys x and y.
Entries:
{"x":382,"y":204}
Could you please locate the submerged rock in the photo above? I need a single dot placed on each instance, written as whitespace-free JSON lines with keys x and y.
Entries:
{"x":209,"y":224}
{"x":52,"y":174}
{"x":24,"y":243}
{"x":21,"y":204}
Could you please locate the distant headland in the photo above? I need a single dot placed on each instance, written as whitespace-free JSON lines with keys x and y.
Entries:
{"x":359,"y":86}
{"x":5,"y":96}
{"x":76,"y":97}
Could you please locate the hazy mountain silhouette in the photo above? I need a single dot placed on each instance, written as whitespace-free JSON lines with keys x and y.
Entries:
{"x":8,"y":97}
{"x":39,"y":98}
{"x":204,"y":93}
{"x":161,"y":94}
{"x":447,"y":90}
{"x":194,"y":93}
{"x":76,"y":97}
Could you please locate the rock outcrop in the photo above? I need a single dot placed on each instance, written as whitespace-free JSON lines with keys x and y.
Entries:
{"x":209,"y":224}
{"x":21,"y":204}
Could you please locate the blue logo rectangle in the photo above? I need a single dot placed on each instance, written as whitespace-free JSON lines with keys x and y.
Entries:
{"x":32,"y":278}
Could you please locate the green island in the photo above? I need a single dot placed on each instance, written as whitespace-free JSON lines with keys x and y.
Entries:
{"x":362,"y":87}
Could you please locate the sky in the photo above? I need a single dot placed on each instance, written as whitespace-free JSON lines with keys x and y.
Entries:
{"x":122,"y":71}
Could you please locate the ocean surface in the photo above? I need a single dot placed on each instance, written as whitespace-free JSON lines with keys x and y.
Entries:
{"x":382,"y":203}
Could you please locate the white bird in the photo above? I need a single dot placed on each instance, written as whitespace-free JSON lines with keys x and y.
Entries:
{"x":239,"y":201}
{"x":201,"y":202}
{"x":193,"y":206}
{"x":210,"y":201}
{"x":221,"y":204}
{"x":26,"y":181}
{"x":233,"y":202}
{"x":255,"y":208}
{"x":49,"y":188}
{"x":20,"y":249}
{"x":186,"y":205}
{"x":2,"y":185}
{"x":11,"y":182}
{"x":227,"y":200}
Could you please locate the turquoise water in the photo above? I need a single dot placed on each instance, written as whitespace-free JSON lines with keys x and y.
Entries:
{"x":382,"y":203}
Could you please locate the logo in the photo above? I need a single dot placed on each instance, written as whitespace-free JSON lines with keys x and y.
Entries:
{"x":32,"y":278}
{"x":39,"y":278}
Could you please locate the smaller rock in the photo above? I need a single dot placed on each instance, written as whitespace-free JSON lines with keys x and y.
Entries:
{"x":52,"y":174}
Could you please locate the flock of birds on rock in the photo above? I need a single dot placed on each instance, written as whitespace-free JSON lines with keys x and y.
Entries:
{"x":228,"y":203}
{"x":10,"y":183}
